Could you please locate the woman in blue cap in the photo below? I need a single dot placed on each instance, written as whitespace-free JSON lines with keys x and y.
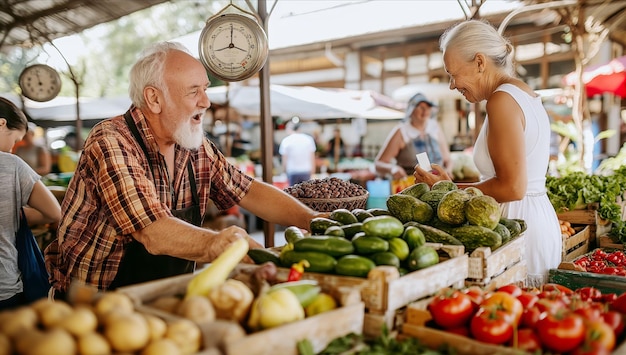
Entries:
{"x":416,"y":134}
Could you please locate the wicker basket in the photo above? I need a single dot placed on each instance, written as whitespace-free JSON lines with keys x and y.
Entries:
{"x":331,"y":204}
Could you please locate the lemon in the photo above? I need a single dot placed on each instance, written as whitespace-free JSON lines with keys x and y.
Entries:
{"x":322,"y":303}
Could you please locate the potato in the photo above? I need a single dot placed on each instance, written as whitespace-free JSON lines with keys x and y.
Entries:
{"x":53,"y":342}
{"x":197,"y":308}
{"x":52,"y":313}
{"x":161,"y":347}
{"x":18,"y":320}
{"x":81,"y":321}
{"x":157,"y":327}
{"x":127,"y":332}
{"x":93,"y":344}
{"x":167,"y":304}
{"x":185,"y":334}
{"x":113,"y":301}
{"x":5,"y":345}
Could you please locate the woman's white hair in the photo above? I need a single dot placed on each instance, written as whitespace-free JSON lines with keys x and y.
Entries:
{"x":149,"y":70}
{"x":478,"y":36}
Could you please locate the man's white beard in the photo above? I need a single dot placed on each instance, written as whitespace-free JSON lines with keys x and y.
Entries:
{"x":189,"y":136}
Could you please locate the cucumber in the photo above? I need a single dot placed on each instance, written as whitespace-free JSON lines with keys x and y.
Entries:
{"x":385,"y":227}
{"x":378,"y":212}
{"x":293,"y":233}
{"x":364,"y":245}
{"x":512,"y":225}
{"x":343,"y":216}
{"x":319,"y":262}
{"x":349,"y":230}
{"x":262,"y":255}
{"x":504,"y":232}
{"x":422,"y":257}
{"x":414,"y":237}
{"x":476,"y":236}
{"x":335,"y":231}
{"x":522,"y":224}
{"x":305,"y":290}
{"x":320,"y":224}
{"x":361,"y":214}
{"x":354,"y":265}
{"x":333,"y":246}
{"x":434,"y":235}
{"x":385,"y":258}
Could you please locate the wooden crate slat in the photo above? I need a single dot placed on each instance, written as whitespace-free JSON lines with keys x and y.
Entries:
{"x":516,"y":274}
{"x":605,"y":241}
{"x":435,"y":339}
{"x":579,"y":216}
{"x":484,"y":264}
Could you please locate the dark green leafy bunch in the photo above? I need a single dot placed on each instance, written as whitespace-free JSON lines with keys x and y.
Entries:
{"x":579,"y":189}
{"x":356,"y":344}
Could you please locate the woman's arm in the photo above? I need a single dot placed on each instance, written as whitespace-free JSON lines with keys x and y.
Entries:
{"x":42,"y":207}
{"x":388,"y":152}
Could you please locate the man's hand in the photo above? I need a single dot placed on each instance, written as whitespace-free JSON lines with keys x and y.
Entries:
{"x":228,"y":235}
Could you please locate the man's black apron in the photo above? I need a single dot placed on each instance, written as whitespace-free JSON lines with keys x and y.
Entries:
{"x":137,"y":264}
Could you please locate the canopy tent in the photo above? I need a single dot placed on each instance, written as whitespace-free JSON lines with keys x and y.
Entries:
{"x":433,"y":91}
{"x":604,"y":78}
{"x":307,"y":102}
{"x":62,"y":110}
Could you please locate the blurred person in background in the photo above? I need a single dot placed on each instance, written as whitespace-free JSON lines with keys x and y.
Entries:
{"x":512,"y":149}
{"x":298,"y":153}
{"x":21,"y":187}
{"x":33,"y":153}
{"x":418,"y":133}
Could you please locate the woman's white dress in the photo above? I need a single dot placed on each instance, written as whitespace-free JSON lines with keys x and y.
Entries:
{"x":543,"y":236}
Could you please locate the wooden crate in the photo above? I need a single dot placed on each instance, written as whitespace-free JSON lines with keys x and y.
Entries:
{"x":220,"y":336}
{"x":384,"y":292}
{"x":514,"y":274}
{"x":415,"y":325}
{"x":577,"y":244}
{"x":588,"y":217}
{"x":604,"y":241}
{"x":484,"y":265}
{"x":570,"y":276}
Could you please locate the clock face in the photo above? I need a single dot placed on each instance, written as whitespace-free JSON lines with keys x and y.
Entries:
{"x":40,"y":82}
{"x":233,"y":47}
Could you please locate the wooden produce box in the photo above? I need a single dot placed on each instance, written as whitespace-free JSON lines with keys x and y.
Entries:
{"x":384,"y":292}
{"x":415,"y":326}
{"x":587,"y":216}
{"x":570,"y":276}
{"x":577,"y":244}
{"x":605,"y":241}
{"x":503,"y":266}
{"x":222,"y":336}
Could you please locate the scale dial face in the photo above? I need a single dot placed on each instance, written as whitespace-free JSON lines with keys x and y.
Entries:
{"x":40,"y":82}
{"x":233,"y":47}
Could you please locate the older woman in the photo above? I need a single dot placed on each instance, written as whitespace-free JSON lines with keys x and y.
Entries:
{"x":513,"y":147}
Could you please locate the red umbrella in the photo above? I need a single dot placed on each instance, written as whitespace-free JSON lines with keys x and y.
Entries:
{"x":605,"y":78}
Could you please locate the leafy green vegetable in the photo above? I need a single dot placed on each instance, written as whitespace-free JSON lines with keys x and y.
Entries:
{"x":579,"y":189}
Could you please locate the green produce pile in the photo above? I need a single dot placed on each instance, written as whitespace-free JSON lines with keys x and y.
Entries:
{"x":578,"y":189}
{"x":351,"y":243}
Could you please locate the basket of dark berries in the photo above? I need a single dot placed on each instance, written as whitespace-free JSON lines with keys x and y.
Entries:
{"x":329,"y":194}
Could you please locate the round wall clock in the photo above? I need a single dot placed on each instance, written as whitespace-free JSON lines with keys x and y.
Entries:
{"x":233,"y":47}
{"x":40,"y":82}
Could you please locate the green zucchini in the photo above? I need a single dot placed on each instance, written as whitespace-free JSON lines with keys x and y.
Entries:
{"x":349,"y":230}
{"x":364,"y":245}
{"x":504,"y":232}
{"x":262,"y":255}
{"x":385,"y":227}
{"x":434,"y":235}
{"x":477,"y":236}
{"x":354,"y":265}
{"x":512,"y":225}
{"x":293,"y":233}
{"x":333,"y":246}
{"x":318,"y":262}
{"x":320,"y":224}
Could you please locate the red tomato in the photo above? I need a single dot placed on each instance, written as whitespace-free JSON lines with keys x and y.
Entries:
{"x":615,"y":320}
{"x":549,"y":306}
{"x":491,"y":326}
{"x":511,"y":289}
{"x":589,"y":293}
{"x":556,"y":287}
{"x":589,"y":313}
{"x":451,"y":308}
{"x":561,"y":332}
{"x":530,"y":317}
{"x":527,"y":299}
{"x":599,"y":335}
{"x":506,"y":303}
{"x":527,"y":340}
{"x":619,"y":304}
{"x":476,"y":294}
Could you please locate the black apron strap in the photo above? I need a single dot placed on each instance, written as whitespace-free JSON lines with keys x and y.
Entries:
{"x":137,"y":264}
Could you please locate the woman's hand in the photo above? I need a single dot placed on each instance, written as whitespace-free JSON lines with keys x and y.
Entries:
{"x":437,"y":173}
